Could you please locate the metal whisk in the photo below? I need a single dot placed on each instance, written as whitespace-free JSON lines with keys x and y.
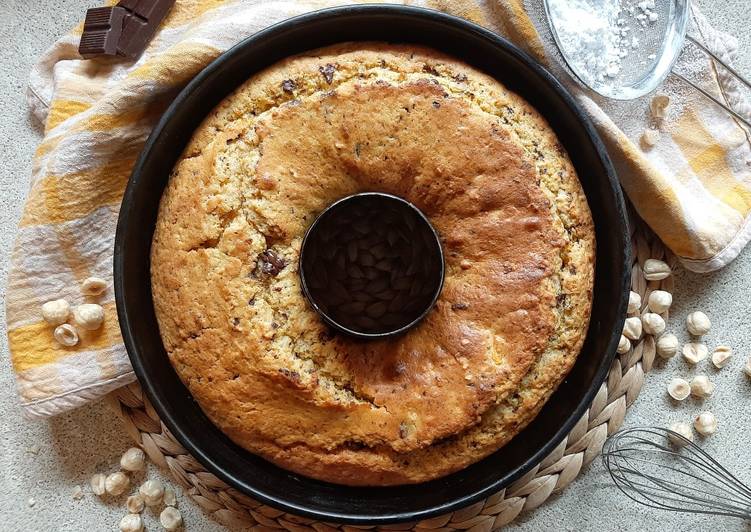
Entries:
{"x":651,"y":470}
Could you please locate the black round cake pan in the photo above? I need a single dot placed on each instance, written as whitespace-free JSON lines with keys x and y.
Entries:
{"x":182,"y":415}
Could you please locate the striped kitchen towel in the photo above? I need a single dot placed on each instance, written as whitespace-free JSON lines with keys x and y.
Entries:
{"x":693,"y":188}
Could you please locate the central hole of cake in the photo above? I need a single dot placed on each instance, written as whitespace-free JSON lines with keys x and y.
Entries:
{"x":372,"y":264}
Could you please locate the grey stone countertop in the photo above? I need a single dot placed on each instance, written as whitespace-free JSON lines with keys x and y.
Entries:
{"x":42,"y":461}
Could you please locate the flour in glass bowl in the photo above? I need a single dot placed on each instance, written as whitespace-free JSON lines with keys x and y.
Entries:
{"x":597,"y":35}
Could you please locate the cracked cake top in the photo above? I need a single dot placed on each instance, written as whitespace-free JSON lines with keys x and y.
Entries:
{"x":494,"y":181}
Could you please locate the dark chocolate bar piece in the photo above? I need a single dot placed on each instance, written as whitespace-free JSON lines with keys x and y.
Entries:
{"x":102,"y":29}
{"x":141,"y":22}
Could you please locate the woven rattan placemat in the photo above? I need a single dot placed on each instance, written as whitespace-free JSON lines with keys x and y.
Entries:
{"x":584,"y":442}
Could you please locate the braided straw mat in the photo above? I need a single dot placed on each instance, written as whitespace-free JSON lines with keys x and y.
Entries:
{"x":582,"y":445}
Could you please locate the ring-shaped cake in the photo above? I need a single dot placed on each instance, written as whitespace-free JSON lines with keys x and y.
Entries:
{"x":518,"y":241}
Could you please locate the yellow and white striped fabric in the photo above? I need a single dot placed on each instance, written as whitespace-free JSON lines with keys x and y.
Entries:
{"x":693,"y":188}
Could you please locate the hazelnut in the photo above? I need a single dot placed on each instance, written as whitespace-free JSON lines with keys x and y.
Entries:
{"x":93,"y":286}
{"x":667,"y":346}
{"x":88,"y":316}
{"x":169,"y":496}
{"x":135,"y":504}
{"x":650,"y":137}
{"x":77,"y":493}
{"x":721,"y":356}
{"x":701,"y":386}
{"x":97,"y":484}
{"x":152,"y":492}
{"x":116,"y":483}
{"x":659,"y":301}
{"x":170,"y":518}
{"x":56,"y":312}
{"x":634,"y":302}
{"x":131,"y":523}
{"x":655,"y":270}
{"x":658,"y":106}
{"x":623,"y":345}
{"x":678,"y":389}
{"x":632,"y":328}
{"x":698,"y":323}
{"x":705,"y":423}
{"x":66,"y":335}
{"x":653,"y":324}
{"x":682,"y":429}
{"x":133,"y":459}
{"x":695,"y":352}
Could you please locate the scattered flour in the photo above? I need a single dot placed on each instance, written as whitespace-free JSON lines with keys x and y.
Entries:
{"x":596,"y":35}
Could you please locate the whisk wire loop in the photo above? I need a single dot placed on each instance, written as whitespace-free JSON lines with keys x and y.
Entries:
{"x":723,"y":64}
{"x":648,"y":470}
{"x":714,"y":56}
{"x":667,"y":489}
{"x":663,"y":481}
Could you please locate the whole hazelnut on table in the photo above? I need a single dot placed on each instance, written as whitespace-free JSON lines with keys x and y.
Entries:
{"x":152,"y":492}
{"x":170,"y":518}
{"x":116,"y":483}
{"x":705,"y":423}
{"x":135,"y":504}
{"x":683,"y":429}
{"x":131,"y":523}
{"x":659,"y":301}
{"x":667,"y":346}
{"x":56,"y":312}
{"x":653,"y":324}
{"x":698,"y":323}
{"x":133,"y":459}
{"x":701,"y":386}
{"x":656,"y":270}
{"x":88,"y":316}
{"x":632,"y":328}
{"x":97,"y":484}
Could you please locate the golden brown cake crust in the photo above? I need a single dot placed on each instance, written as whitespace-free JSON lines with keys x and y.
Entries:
{"x":518,"y":241}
